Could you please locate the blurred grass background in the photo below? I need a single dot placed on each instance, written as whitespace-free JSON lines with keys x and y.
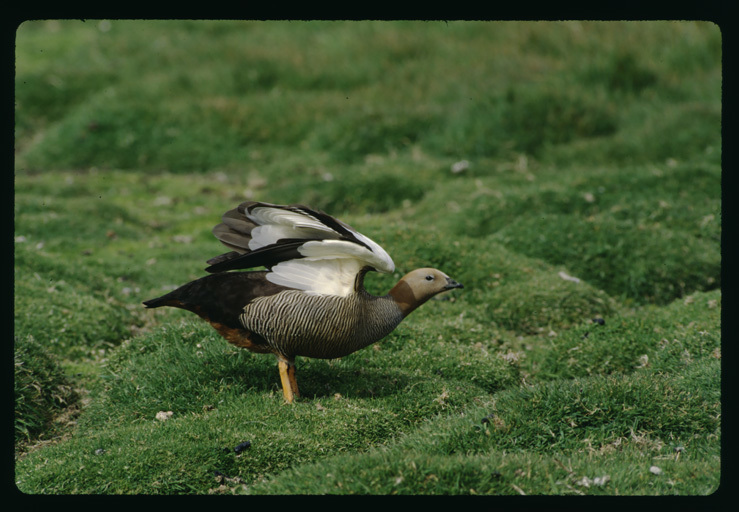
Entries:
{"x":568,"y":173}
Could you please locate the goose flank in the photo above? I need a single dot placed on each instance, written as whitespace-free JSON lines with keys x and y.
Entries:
{"x":310,"y":301}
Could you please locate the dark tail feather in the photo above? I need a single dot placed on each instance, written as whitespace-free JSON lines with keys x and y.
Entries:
{"x":159,"y":302}
{"x":218,"y":297}
{"x":179,"y":298}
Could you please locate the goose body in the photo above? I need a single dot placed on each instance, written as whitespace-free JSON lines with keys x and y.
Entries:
{"x":311,"y":300}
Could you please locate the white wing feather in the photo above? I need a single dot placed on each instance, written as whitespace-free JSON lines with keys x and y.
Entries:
{"x":276,"y":223}
{"x":317,"y":277}
{"x":341,"y":249}
{"x":329,"y":266}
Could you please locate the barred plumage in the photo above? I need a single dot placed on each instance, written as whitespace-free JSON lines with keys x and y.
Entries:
{"x":297,"y":324}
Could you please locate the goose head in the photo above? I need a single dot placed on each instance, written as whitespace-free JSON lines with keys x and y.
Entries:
{"x":418,"y":286}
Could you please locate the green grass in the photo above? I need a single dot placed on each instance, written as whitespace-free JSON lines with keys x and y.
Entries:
{"x":42,"y":391}
{"x":569,"y":174}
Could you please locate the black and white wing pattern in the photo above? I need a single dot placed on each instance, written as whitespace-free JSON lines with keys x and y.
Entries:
{"x":302,"y":248}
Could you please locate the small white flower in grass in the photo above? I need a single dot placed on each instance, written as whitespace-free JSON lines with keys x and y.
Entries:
{"x":163,"y":416}
{"x":567,"y":277}
{"x":510,"y":356}
{"x":655,"y":470}
{"x":601,"y":480}
{"x":162,"y":201}
{"x":584,"y":482}
{"x":460,"y":166}
{"x":598,"y":480}
{"x":643,"y":361}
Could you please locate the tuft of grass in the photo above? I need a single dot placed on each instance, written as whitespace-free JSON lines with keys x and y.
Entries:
{"x":622,"y":72}
{"x":550,"y":116}
{"x":381,"y":191}
{"x":41,"y":389}
{"x":615,"y":255}
{"x":667,"y":339}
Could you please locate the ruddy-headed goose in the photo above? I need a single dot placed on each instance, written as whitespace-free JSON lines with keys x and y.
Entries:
{"x":311,"y":300}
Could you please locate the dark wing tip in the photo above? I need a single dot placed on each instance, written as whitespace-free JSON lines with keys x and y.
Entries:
{"x":268,"y":256}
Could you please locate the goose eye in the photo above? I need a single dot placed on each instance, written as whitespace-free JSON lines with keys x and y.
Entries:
{"x":429,"y":277}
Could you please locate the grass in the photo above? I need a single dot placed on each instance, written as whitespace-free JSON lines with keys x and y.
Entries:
{"x":567,"y":173}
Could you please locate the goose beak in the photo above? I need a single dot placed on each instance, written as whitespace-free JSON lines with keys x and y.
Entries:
{"x":451,"y":283}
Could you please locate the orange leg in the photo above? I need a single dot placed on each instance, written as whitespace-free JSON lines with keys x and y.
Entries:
{"x":287,"y":377}
{"x":293,"y":380}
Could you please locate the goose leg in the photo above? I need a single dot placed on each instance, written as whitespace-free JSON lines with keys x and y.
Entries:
{"x":293,"y":380}
{"x":287,"y":377}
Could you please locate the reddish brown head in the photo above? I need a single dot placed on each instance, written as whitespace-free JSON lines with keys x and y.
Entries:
{"x":418,"y":286}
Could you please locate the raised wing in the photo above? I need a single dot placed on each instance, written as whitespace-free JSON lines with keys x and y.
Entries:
{"x":303,"y":248}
